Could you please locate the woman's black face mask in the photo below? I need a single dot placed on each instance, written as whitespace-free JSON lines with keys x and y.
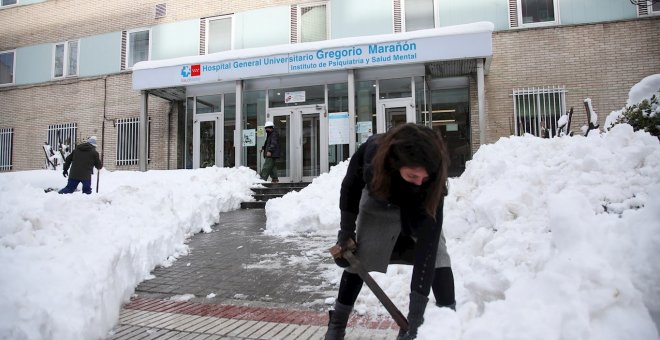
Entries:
{"x":408,"y":188}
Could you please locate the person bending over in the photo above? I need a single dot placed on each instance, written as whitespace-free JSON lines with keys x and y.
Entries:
{"x":391,"y":206}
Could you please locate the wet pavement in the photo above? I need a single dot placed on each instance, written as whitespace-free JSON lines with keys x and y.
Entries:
{"x":246,"y":285}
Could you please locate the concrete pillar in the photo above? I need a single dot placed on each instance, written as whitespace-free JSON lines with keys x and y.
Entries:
{"x":144,"y":131}
{"x":351,"y":112}
{"x":481,"y":100}
{"x":238,"y":130}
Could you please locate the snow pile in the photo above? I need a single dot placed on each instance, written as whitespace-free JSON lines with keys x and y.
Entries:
{"x":313,"y":209}
{"x":557,"y":239}
{"x":645,"y":89}
{"x":69,"y":261}
{"x":550,"y":239}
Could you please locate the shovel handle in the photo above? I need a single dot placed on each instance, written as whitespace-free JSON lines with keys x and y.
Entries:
{"x":337,"y":252}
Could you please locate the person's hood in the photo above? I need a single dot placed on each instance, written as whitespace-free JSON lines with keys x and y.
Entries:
{"x":86,"y":147}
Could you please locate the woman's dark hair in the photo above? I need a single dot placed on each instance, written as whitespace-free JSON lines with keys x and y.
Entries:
{"x":412,"y":145}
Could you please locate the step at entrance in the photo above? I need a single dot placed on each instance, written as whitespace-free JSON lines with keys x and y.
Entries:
{"x":269,"y":191}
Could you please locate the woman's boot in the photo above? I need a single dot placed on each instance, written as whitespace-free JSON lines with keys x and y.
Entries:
{"x":338,"y":320}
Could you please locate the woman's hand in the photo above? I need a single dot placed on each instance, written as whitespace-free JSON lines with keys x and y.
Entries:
{"x":344,"y":239}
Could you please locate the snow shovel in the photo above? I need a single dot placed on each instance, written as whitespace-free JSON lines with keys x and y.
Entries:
{"x":371,"y":283}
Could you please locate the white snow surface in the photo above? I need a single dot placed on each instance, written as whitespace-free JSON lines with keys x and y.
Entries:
{"x":644,"y":89}
{"x":69,"y":261}
{"x":549,"y":238}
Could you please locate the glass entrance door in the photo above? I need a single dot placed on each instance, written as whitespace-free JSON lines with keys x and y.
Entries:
{"x":310,"y":145}
{"x":393,"y":112}
{"x":207,"y":141}
{"x":302,"y":131}
{"x":282,"y":121}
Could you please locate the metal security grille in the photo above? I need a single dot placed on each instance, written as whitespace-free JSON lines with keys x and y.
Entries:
{"x":294,"y":24}
{"x":123,"y":51}
{"x":202,"y":36}
{"x":6,"y":144}
{"x":397,"y":16}
{"x":128,"y":140}
{"x":160,"y":11}
{"x":642,"y":8}
{"x":536,"y":110}
{"x":62,"y":136}
{"x":513,"y":13}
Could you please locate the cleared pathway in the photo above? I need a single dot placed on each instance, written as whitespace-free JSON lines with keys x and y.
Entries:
{"x":246,"y":285}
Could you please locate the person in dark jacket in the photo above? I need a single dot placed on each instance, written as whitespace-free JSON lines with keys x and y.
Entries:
{"x":393,"y":195}
{"x":84,"y":158}
{"x":271,"y":152}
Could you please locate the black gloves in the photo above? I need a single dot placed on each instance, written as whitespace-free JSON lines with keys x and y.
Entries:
{"x":65,"y":173}
{"x":415,"y":316}
{"x":343,"y":238}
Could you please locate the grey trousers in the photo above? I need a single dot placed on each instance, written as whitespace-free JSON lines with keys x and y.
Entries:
{"x":378,"y":227}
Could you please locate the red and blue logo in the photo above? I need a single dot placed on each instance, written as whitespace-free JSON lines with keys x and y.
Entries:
{"x":191,"y":71}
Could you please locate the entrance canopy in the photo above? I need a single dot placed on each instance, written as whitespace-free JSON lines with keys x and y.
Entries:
{"x":454,"y":44}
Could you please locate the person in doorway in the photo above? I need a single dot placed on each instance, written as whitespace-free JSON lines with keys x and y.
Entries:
{"x":84,"y":158}
{"x":271,"y":152}
{"x":391,"y":206}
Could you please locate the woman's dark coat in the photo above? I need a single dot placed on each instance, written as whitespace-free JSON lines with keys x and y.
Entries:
{"x":377,"y":235}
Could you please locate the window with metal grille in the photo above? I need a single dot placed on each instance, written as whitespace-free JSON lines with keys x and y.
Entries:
{"x":312,"y":23}
{"x":62,"y":137}
{"x":128,"y":140}
{"x":66,"y":59}
{"x":537,"y":110}
{"x":6,"y":144}
{"x":7,"y":67}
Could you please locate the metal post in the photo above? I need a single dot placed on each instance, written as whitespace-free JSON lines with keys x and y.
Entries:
{"x":351,"y":112}
{"x":481,"y":93}
{"x":142,"y":143}
{"x":238,"y":128}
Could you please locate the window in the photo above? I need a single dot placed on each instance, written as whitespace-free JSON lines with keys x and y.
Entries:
{"x":139,"y":47}
{"x":7,"y":67}
{"x":312,"y":23}
{"x":419,"y":15}
{"x":654,"y":6}
{"x":128,"y":140}
{"x":6,"y":144}
{"x":337,"y":102}
{"x":534,"y":12}
{"x":8,"y":2}
{"x":537,"y":110}
{"x":66,"y":59}
{"x":209,"y":104}
{"x":218,"y":34}
{"x":62,"y":137}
